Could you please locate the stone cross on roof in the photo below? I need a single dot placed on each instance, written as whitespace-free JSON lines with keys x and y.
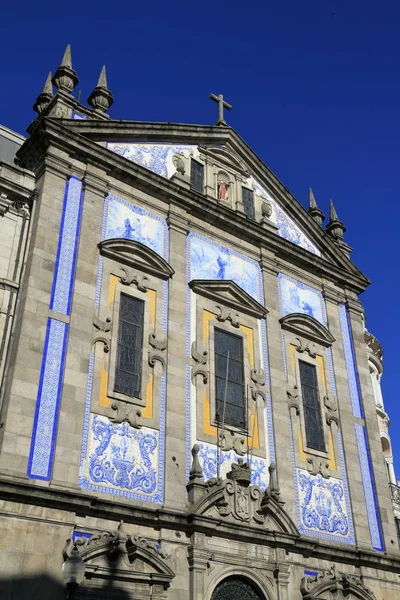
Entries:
{"x":221,"y":105}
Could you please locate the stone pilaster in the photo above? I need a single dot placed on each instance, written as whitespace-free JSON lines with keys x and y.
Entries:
{"x":176,"y":452}
{"x":278,"y":383}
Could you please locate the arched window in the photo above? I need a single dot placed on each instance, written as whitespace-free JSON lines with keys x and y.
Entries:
{"x":236,"y":588}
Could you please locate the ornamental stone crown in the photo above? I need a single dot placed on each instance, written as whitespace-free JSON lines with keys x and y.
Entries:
{"x":240,"y":472}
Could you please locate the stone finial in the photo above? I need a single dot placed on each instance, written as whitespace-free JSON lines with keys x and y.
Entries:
{"x":101,"y":98}
{"x":313,"y":210}
{"x":196,"y":472}
{"x":65,"y":78}
{"x":44,"y":98}
{"x":335,"y":227}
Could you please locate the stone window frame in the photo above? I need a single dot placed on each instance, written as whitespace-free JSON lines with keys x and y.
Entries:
{"x":145,"y":373}
{"x":309,"y":337}
{"x":228,"y":328}
{"x":321,"y":393}
{"x":138,"y":269}
{"x":247,"y":317}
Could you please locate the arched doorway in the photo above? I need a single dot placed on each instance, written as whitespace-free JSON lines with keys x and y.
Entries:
{"x":236,"y":588}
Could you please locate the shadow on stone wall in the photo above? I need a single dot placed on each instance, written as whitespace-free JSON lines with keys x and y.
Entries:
{"x":38,"y":587}
{"x":43,"y":587}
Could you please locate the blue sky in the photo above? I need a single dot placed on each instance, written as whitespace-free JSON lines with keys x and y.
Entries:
{"x":315,"y":89}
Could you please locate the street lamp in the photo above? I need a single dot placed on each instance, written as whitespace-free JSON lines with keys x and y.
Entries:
{"x":73,"y":571}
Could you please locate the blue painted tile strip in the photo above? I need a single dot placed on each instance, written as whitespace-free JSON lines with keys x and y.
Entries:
{"x":41,"y":457}
{"x":371,"y":500}
{"x":49,"y":394}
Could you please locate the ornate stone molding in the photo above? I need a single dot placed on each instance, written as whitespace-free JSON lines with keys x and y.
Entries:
{"x":235,"y":499}
{"x":132,"y":277}
{"x":133,"y":559}
{"x":228,"y":440}
{"x":228,"y":294}
{"x":227,"y":315}
{"x":317,"y":466}
{"x":200,"y":357}
{"x":304,"y":346}
{"x":333,"y":583}
{"x":135,"y":254}
{"x":307,"y":327}
{"x":159,"y":344}
{"x":121,"y":411}
{"x":101,"y":328}
{"x":258,"y":388}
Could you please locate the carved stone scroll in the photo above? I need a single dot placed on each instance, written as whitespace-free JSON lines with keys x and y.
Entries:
{"x":158,"y":342}
{"x":200,"y":357}
{"x":226,"y":314}
{"x":123,"y":411}
{"x":132,"y":277}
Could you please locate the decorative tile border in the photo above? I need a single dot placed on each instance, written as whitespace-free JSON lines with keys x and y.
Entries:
{"x":322,"y":533}
{"x":286,"y":227}
{"x":162,"y":247}
{"x":371,"y":500}
{"x":155,"y":157}
{"x":64,"y":270}
{"x":41,"y":457}
{"x":355,"y":395}
{"x":257,"y":292}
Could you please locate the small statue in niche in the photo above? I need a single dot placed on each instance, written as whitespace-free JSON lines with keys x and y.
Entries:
{"x":223,"y":190}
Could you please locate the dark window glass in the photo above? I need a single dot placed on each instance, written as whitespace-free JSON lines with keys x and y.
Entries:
{"x":235,"y":413}
{"x":197,"y":176}
{"x":128,"y":372}
{"x":311,"y":406}
{"x":248,"y":202}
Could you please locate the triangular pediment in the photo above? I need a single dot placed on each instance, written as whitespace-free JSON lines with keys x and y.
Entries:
{"x":224,"y":156}
{"x":135,"y":254}
{"x":307,"y":326}
{"x":228,"y":293}
{"x":292,"y":222}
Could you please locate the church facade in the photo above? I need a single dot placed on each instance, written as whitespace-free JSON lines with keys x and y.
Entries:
{"x":190,"y":400}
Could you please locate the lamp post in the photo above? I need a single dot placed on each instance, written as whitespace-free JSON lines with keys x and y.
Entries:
{"x":73,"y":571}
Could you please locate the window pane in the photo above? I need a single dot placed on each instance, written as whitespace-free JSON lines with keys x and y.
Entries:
{"x":311,"y":406}
{"x":248,"y":202}
{"x":197,"y":176}
{"x":128,"y":372}
{"x":229,"y":380}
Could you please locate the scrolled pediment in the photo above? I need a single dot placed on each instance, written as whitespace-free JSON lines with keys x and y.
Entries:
{"x":228,"y":293}
{"x":307,"y":327}
{"x":115,"y":555}
{"x":331,"y":582}
{"x":136,"y":254}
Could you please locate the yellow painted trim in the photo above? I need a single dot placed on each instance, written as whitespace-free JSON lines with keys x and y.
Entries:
{"x":104,"y":399}
{"x":207,"y":427}
{"x":332,"y":461}
{"x":248,"y":332}
{"x":303,"y":455}
{"x":147,"y":412}
{"x":207,"y":317}
{"x":152,"y":294}
{"x":320,"y":362}
{"x":293,"y":357}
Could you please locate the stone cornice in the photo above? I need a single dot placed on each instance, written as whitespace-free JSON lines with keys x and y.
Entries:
{"x":84,"y":504}
{"x":344,"y":273}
